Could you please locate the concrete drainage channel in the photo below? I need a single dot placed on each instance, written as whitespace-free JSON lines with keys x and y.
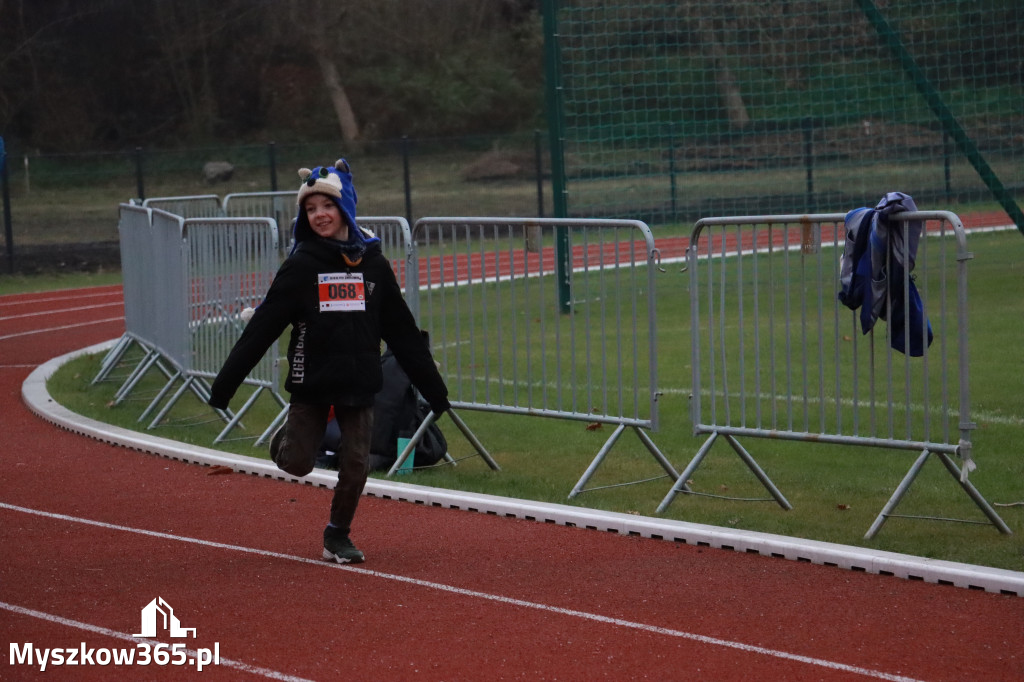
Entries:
{"x":37,"y":398}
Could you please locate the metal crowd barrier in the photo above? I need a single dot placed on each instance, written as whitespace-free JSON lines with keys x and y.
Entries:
{"x":775,"y":354}
{"x":228,"y":264}
{"x":185,"y":284}
{"x":279,"y":205}
{"x":545,"y":317}
{"x":135,"y":234}
{"x":197,"y":206}
{"x":151,"y":256}
{"x":167,"y":296}
{"x":245,"y":269}
{"x":556,"y":318}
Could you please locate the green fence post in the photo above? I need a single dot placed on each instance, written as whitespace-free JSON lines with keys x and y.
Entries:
{"x":139,"y":185}
{"x":538,"y":155}
{"x":673,"y":191}
{"x":808,"y":130}
{"x":553,"y":96}
{"x":272,"y":156}
{"x":406,"y":180}
{"x":947,"y":161}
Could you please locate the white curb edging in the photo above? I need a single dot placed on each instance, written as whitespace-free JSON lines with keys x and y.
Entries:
{"x":37,"y":398}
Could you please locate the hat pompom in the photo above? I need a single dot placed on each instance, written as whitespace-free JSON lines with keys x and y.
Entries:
{"x":304,"y":174}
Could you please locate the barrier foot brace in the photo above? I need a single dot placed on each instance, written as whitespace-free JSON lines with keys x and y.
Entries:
{"x":237,"y":418}
{"x":278,"y":420}
{"x":148,"y":360}
{"x":748,"y":459}
{"x":680,"y":483}
{"x":954,"y":471}
{"x":112,"y":358}
{"x":758,"y":472}
{"x":473,"y":440}
{"x":161,"y":394}
{"x":670,"y":471}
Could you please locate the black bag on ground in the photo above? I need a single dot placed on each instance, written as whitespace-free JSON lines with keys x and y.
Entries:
{"x":397,"y":413}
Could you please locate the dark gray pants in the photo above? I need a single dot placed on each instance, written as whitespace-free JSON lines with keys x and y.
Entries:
{"x":300,"y":443}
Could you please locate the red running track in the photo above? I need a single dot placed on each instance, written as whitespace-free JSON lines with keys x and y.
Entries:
{"x":92,"y":533}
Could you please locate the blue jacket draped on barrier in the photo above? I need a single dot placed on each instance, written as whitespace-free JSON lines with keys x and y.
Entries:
{"x":876,"y":257}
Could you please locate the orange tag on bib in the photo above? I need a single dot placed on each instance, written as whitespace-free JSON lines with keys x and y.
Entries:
{"x":341,"y":291}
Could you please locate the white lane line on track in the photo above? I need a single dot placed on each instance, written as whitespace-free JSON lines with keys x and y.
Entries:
{"x":831,"y":665}
{"x":97,"y":629}
{"x":4,"y":318}
{"x":27,"y":299}
{"x":62,"y":328}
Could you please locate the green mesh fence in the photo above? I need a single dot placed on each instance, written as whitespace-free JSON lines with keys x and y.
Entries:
{"x":671,"y":110}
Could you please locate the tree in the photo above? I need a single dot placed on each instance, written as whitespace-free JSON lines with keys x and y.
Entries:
{"x":320,"y":24}
{"x":115,"y":73}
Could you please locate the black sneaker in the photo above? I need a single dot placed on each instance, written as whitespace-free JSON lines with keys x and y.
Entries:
{"x":339,"y":548}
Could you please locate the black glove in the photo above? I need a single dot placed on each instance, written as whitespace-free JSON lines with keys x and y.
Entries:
{"x":218,"y":402}
{"x":440,"y":405}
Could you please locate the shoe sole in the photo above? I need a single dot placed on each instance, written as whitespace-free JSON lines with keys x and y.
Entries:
{"x":331,"y":556}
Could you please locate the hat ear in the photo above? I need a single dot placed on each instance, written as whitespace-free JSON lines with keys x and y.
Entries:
{"x":304,"y":174}
{"x":342,"y":165}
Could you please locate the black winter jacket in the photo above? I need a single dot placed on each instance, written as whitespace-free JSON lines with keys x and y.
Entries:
{"x":334,"y":351}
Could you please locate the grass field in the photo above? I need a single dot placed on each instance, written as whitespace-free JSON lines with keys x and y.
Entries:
{"x":836,"y":491}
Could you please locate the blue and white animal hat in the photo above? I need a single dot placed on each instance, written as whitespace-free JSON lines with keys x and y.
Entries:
{"x":334,"y":181}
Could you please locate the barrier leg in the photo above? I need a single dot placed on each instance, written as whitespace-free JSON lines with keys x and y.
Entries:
{"x":473,"y":440}
{"x":170,"y":403}
{"x":662,"y":460}
{"x":238,"y":415}
{"x":410,"y":447}
{"x":897,"y":495}
{"x":278,"y":420}
{"x":973,"y":493}
{"x":201,"y":389}
{"x":680,"y":484}
{"x":159,"y":396}
{"x":111,"y":359}
{"x":759,"y":472}
{"x":954,"y":471}
{"x":601,"y":454}
{"x":148,"y":361}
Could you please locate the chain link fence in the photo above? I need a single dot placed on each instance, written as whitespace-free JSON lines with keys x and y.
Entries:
{"x":658,"y":111}
{"x":667,"y":111}
{"x":63,"y":207}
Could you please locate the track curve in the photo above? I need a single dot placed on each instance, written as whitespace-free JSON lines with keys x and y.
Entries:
{"x":93,"y":532}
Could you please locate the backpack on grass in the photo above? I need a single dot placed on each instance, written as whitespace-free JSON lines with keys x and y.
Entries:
{"x":397,"y":413}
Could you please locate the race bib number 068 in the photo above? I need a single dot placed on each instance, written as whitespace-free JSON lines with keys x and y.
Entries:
{"x":341,"y":291}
